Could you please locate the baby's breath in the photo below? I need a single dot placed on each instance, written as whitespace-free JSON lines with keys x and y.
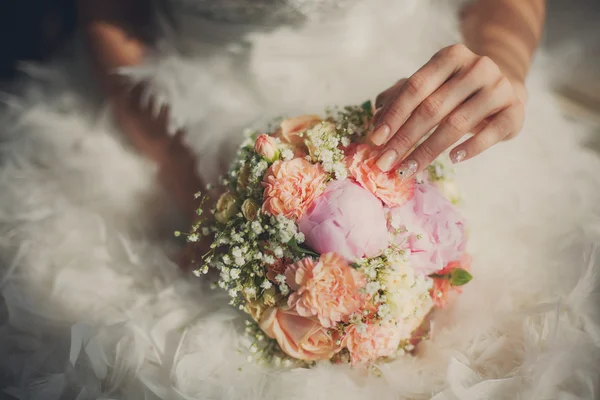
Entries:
{"x":247,"y":247}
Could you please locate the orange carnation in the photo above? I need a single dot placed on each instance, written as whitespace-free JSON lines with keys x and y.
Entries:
{"x":387,"y":186}
{"x":328,"y":289}
{"x":292,"y":186}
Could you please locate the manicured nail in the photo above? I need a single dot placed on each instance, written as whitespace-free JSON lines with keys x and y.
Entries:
{"x":387,"y":160}
{"x":380,"y":134}
{"x":458,"y":156}
{"x":408,"y":169}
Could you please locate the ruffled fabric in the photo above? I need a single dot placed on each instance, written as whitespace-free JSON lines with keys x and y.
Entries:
{"x":94,"y":308}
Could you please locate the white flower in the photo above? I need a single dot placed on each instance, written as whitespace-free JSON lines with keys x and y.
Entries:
{"x":383,"y":311}
{"x":236,"y":252}
{"x":361,"y":328}
{"x":239,"y":261}
{"x":234,"y":273}
{"x":372,"y":287}
{"x":278,"y":251}
{"x":250,"y":292}
{"x":256,"y":227}
{"x":284,"y":289}
{"x":340,"y":171}
{"x":407,"y":296}
{"x":227,"y":259}
{"x":259,"y":169}
{"x":326,"y":156}
{"x":232,"y":293}
{"x":193,"y":238}
{"x":300,"y":238}
{"x":266,"y":284}
{"x":225,"y":275}
{"x":287,"y":155}
{"x":268,"y":259}
{"x":280,"y":279}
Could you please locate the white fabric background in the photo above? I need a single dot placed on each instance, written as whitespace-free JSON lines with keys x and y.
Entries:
{"x":93,"y":308}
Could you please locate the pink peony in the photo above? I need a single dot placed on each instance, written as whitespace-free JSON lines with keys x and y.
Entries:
{"x":291,"y":187}
{"x":374,"y":342}
{"x":291,"y":128}
{"x":299,"y":337}
{"x":346,"y":219}
{"x":387,"y":186}
{"x":328,"y":290}
{"x":431,"y":227}
{"x":266,"y":147}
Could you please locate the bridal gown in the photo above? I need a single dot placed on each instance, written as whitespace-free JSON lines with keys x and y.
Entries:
{"x":92,"y":307}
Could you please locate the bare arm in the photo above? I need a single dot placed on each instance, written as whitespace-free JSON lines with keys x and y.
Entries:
{"x":109,"y":28}
{"x":476,"y":87}
{"x":507,"y":31}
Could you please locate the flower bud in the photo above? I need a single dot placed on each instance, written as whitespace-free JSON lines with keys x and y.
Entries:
{"x":460,"y":277}
{"x":250,"y":209}
{"x":243,"y":178}
{"x":270,"y":297}
{"x":255,"y":309}
{"x":266,"y":147}
{"x":226,"y":207}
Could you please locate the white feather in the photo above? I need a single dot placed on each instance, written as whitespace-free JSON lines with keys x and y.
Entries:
{"x":86,"y":235}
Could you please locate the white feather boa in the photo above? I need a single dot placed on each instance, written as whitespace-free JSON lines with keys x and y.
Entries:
{"x":94,"y":308}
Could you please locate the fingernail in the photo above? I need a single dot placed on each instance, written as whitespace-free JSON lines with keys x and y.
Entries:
{"x":408,"y":169}
{"x":387,"y":160}
{"x":380,"y":134}
{"x":458,"y":156}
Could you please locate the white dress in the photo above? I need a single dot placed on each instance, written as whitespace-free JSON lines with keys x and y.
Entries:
{"x":94,"y":308}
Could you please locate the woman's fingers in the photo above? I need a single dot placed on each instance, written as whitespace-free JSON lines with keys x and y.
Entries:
{"x":503,"y":125}
{"x":464,"y":119}
{"x":470,"y":79}
{"x":384,"y":97}
{"x":416,"y":89}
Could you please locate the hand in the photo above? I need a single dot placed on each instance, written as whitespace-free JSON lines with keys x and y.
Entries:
{"x":457,"y":91}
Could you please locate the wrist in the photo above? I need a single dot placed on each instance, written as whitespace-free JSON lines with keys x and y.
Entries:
{"x":517,"y":79}
{"x":516,"y":74}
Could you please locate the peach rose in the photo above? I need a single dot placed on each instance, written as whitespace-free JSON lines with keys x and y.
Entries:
{"x":266,"y":147}
{"x":292,"y":186}
{"x":299,"y":337}
{"x":388,"y":187}
{"x":291,"y":128}
{"x":328,"y":290}
{"x":374,"y":342}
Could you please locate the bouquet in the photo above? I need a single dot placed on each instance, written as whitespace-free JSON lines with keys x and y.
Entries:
{"x":332,"y":258}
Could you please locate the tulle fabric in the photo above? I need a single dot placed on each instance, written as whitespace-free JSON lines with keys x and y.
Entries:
{"x":95,"y":308}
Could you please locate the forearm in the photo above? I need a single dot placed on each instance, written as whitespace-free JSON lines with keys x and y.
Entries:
{"x":507,"y":31}
{"x":113,"y":44}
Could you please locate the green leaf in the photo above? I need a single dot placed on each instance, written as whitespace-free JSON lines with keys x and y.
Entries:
{"x":367,"y":106}
{"x":293,"y":244}
{"x":460,"y":277}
